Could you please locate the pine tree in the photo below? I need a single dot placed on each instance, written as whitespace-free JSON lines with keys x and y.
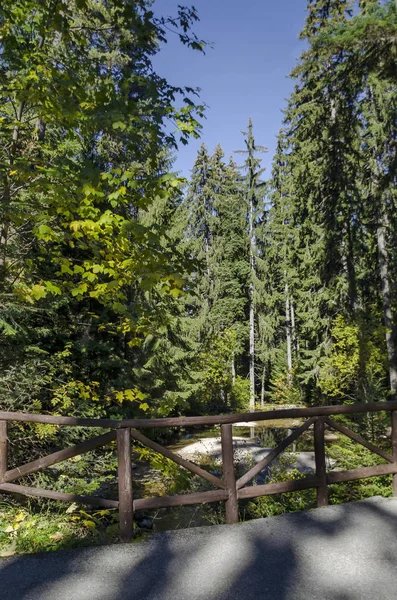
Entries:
{"x":253,"y":190}
{"x":216,"y":236}
{"x":332,"y":154}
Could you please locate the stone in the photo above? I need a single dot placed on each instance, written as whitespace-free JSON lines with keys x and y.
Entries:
{"x":145,"y":524}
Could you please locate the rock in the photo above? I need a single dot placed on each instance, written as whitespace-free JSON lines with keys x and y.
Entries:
{"x":216,"y":473}
{"x":145,"y":524}
{"x":133,"y":466}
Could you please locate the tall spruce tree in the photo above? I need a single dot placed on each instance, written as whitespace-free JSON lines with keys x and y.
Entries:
{"x":253,"y":191}
{"x":216,"y":236}
{"x":332,"y":154}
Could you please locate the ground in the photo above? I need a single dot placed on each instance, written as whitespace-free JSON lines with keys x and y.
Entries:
{"x":344,"y":552}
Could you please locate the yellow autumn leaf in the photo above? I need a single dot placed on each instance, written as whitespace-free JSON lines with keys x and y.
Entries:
{"x":21,"y":516}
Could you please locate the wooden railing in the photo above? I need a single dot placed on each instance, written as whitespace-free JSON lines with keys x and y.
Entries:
{"x":228,"y":489}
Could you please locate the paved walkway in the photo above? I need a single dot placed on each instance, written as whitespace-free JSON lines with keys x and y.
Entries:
{"x":346,"y":552}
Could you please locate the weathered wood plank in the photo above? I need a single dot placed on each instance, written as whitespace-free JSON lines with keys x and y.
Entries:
{"x":125,"y":484}
{"x":288,"y":413}
{"x":361,"y":473}
{"x":358,"y":438}
{"x":61,"y":455}
{"x":281,"y":487}
{"x":181,"y":500}
{"x":190,"y":466}
{"x":321,"y":469}
{"x":3,"y":449}
{"x":273,"y":454}
{"x":54,"y":420}
{"x":228,"y":474}
{"x":394,"y":447}
{"x":12,"y":488}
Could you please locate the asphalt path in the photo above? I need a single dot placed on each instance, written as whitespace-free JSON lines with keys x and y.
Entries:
{"x":346,"y":552}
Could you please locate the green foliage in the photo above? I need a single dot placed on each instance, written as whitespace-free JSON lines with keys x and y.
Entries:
{"x":331,"y":220}
{"x":352,"y":352}
{"x":278,"y":504}
{"x":127,"y":292}
{"x":86,"y":276}
{"x":350,"y":455}
{"x":22,"y":531}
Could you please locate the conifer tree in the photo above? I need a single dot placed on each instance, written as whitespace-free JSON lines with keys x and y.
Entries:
{"x":253,"y":190}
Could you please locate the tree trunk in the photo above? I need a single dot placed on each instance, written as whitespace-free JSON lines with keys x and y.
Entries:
{"x":252,"y":353}
{"x":263,"y":385}
{"x":348,"y":263}
{"x":295,"y":341}
{"x":383,"y":261}
{"x":251,"y":307}
{"x":288,"y":332}
{"x":233,"y":371}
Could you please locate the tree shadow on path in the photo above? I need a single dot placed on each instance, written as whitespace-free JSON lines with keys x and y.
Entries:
{"x":346,"y":552}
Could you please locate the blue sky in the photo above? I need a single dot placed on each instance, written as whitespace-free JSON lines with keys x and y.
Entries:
{"x":246,"y":73}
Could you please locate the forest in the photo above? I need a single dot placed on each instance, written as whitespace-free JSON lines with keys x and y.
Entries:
{"x":127,"y":290}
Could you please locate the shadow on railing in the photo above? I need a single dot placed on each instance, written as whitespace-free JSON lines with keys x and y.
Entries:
{"x":229,"y":489}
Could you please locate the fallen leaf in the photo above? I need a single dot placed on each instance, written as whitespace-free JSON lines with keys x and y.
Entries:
{"x":9,"y":550}
{"x":20,"y":517}
{"x":72,"y":508}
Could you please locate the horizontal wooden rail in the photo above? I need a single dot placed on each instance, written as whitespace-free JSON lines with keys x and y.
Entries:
{"x":54,"y":420}
{"x":229,"y":490}
{"x":283,"y":413}
{"x":12,"y":488}
{"x":254,"y":491}
{"x":361,"y":473}
{"x":181,"y":500}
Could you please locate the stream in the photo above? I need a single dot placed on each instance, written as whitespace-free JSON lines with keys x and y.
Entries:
{"x":254,"y":438}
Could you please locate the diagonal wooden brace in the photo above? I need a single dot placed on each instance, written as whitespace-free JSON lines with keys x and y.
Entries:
{"x":56,"y":457}
{"x":187,"y":464}
{"x":357,"y":438}
{"x":273,"y":454}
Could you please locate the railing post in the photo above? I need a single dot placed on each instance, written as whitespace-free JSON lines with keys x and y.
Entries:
{"x":321,"y":470}
{"x":394,"y":446}
{"x":228,"y":474}
{"x":3,"y":449}
{"x":125,"y":484}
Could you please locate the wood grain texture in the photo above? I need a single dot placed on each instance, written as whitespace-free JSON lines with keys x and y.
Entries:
{"x":361,"y":473}
{"x":228,"y":474}
{"x":394,"y":447}
{"x":287,"y":413}
{"x":281,"y":487}
{"x":3,"y":449}
{"x":12,"y":488}
{"x":181,"y":500}
{"x":125,"y":484}
{"x":321,"y":469}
